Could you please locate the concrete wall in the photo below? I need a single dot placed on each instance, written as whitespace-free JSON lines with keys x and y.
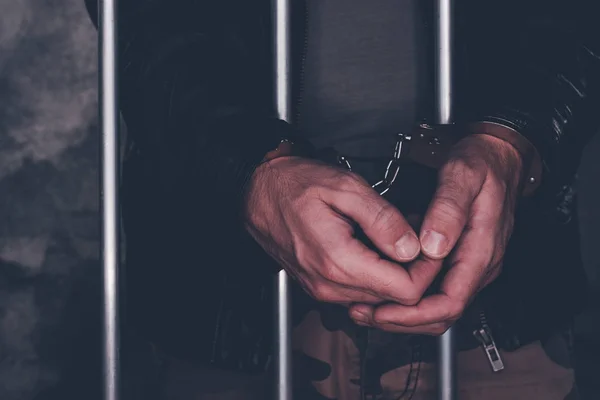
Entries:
{"x":49,"y":272}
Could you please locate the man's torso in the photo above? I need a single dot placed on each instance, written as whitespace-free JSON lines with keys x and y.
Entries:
{"x":364,"y":79}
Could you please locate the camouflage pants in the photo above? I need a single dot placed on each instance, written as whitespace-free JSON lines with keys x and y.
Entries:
{"x":327,"y":366}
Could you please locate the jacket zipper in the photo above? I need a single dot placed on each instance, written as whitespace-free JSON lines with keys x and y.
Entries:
{"x":484,"y":336}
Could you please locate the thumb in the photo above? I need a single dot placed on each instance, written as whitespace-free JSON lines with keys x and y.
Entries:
{"x":449,"y":210}
{"x":381,"y":222}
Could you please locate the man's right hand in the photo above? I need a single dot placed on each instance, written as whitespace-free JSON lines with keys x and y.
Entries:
{"x":303,"y":213}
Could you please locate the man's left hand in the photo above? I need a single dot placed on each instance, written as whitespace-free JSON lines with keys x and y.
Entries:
{"x":470,"y":218}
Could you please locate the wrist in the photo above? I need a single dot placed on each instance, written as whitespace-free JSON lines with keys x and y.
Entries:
{"x":529,"y":158}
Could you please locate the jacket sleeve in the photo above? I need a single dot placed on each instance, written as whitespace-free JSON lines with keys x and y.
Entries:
{"x":191,"y":94}
{"x":534,"y":65}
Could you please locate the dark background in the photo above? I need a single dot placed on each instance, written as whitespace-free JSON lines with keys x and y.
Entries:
{"x":50,"y":309}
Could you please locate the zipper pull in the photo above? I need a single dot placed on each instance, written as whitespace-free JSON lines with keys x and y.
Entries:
{"x":484,"y":336}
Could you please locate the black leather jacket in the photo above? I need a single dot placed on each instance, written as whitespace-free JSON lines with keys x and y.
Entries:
{"x":195,"y":92}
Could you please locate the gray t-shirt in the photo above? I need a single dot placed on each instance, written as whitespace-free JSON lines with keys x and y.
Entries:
{"x":364,"y":74}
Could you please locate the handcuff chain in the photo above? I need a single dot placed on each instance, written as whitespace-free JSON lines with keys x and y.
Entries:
{"x":392,"y":169}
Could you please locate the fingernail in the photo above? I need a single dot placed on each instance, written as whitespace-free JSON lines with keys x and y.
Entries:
{"x":434,"y":243}
{"x":408,"y":246}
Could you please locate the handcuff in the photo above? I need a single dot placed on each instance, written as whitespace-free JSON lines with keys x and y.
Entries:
{"x":428,"y":145}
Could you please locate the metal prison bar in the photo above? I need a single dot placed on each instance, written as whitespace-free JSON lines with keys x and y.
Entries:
{"x":109,"y":122}
{"x":444,"y":51}
{"x":109,"y":192}
{"x":282,"y":68}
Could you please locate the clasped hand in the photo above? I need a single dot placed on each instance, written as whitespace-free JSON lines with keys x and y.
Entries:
{"x":303,"y":213}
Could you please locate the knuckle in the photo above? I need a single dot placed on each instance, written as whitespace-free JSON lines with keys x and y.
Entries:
{"x":309,"y":195}
{"x":305,"y":199}
{"x":497,"y":188}
{"x":411,"y":297}
{"x":359,"y":180}
{"x":349,"y":181}
{"x":378,"y":320}
{"x":311,"y":191}
{"x":447,"y":205}
{"x":501,"y":186}
{"x":322,"y":292}
{"x":461,"y":170}
{"x":456,"y":165}
{"x":330,"y":272}
{"x":455,"y":311}
{"x":385,"y":217}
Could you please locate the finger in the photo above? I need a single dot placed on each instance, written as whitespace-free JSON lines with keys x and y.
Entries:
{"x":437,"y":308}
{"x":359,"y":268}
{"x":340,"y":271}
{"x":383,"y":224}
{"x":330,"y":292}
{"x":477,"y":254}
{"x":363,"y":315}
{"x":461,"y":282}
{"x":327,"y":280}
{"x":469,"y":265}
{"x":431,"y":330}
{"x":424,"y":270}
{"x":490,"y":276}
{"x":433,"y":314}
{"x":449,"y":210}
{"x":458,"y":287}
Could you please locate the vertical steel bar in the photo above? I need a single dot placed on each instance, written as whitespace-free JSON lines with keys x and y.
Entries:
{"x":444,"y":34}
{"x":109,"y":192}
{"x":444,"y":15}
{"x":281,"y":14}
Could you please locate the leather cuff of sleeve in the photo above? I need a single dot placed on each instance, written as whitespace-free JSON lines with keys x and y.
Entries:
{"x":235,"y":160}
{"x":532,"y":162}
